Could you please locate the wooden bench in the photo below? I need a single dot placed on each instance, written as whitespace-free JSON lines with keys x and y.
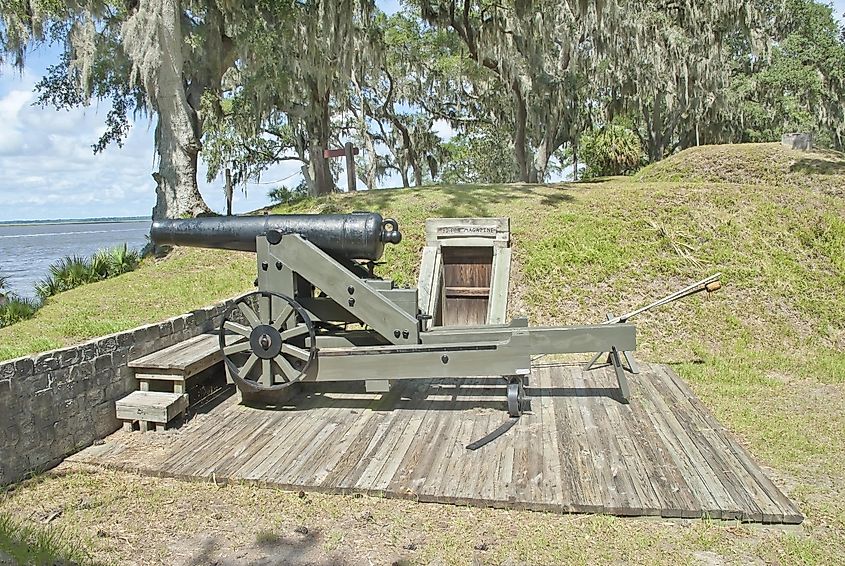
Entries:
{"x":174,"y":366}
{"x":178,"y":362}
{"x":148,"y":407}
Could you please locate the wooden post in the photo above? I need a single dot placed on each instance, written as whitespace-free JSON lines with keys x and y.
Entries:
{"x":350,"y":167}
{"x":348,"y":151}
{"x":229,"y":192}
{"x":306,"y":174}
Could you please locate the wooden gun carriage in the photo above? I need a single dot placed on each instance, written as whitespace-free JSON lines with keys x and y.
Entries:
{"x":320,"y":313}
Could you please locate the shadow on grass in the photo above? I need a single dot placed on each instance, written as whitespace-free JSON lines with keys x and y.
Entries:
{"x":450,"y":201}
{"x":819,"y":166}
{"x":269,"y":547}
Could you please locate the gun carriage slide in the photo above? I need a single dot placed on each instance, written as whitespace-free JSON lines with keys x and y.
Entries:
{"x":320,"y":313}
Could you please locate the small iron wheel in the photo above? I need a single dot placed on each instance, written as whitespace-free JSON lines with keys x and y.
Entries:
{"x":275,"y":335}
{"x":516,"y":397}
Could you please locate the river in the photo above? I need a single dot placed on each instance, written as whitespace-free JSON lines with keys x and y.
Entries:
{"x":28,"y":250}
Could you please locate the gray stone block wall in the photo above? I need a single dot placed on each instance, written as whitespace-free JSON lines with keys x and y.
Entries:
{"x":56,"y":403}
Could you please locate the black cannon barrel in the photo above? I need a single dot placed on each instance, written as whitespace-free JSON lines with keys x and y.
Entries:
{"x":360,"y":235}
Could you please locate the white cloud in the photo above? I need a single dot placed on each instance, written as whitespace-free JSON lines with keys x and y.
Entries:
{"x":50,"y":170}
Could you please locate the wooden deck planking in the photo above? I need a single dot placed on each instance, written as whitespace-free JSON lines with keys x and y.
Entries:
{"x":579,"y":449}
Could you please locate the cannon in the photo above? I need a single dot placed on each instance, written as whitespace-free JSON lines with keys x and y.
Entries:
{"x":320,"y":314}
{"x":351,"y":236}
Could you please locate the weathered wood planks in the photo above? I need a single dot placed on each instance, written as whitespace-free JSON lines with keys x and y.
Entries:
{"x":577,"y":450}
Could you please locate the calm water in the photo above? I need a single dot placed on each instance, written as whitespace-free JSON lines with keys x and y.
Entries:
{"x":26,"y":252}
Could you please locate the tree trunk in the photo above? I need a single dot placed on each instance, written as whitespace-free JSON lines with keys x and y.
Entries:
{"x":230,"y":192}
{"x":176,"y":136}
{"x":410,"y":153}
{"x":541,"y":163}
{"x":320,"y":131}
{"x":519,"y":145}
{"x":321,"y":174}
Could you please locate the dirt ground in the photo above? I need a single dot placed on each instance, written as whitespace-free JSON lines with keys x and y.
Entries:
{"x":123,"y":518}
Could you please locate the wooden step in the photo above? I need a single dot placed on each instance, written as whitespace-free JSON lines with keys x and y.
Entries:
{"x":150,"y":407}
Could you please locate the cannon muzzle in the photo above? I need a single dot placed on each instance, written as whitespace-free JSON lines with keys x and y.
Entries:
{"x":360,"y":235}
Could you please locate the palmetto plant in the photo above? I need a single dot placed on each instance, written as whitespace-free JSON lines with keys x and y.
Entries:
{"x":100,"y":267}
{"x":16,"y":309}
{"x":122,"y":260}
{"x":12,"y":307}
{"x":73,"y":271}
{"x":47,"y":287}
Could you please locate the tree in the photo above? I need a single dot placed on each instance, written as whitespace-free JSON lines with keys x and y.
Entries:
{"x":611,"y":150}
{"x":395,"y":104}
{"x":157,"y":56}
{"x":556,"y":57}
{"x":294,"y":72}
{"x":800,"y":87}
{"x":483,"y":155}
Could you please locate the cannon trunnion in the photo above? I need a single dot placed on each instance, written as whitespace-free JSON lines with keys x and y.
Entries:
{"x":321,"y":315}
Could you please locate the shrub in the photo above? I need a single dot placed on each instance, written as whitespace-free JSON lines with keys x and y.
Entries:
{"x":122,"y":260}
{"x":16,"y":309}
{"x":100,"y":267}
{"x":285,"y":195}
{"x":73,"y":271}
{"x":611,"y":150}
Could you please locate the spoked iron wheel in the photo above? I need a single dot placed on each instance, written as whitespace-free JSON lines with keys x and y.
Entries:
{"x":269,"y":351}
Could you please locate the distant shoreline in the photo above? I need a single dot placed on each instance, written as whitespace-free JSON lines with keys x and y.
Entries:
{"x":106,"y":220}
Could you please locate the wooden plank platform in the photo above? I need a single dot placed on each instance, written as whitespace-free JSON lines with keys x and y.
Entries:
{"x":578,"y":450}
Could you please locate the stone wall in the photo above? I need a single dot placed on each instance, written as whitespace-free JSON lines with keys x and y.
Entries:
{"x":56,"y":403}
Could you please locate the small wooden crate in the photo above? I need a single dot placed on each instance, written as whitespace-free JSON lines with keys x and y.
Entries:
{"x":150,"y":407}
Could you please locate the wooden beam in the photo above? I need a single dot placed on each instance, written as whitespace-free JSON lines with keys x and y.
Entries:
{"x":340,"y":152}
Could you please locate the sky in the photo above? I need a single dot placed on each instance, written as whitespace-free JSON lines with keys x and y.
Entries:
{"x":49,"y":170}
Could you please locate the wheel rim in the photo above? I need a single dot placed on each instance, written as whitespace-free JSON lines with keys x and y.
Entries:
{"x":267,"y":349}
{"x":516,"y":398}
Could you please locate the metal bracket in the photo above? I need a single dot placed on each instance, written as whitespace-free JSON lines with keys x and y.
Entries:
{"x":614,"y":359}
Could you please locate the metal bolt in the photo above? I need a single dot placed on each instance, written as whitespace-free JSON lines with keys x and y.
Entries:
{"x":351,"y":302}
{"x":444,"y":358}
{"x":264,"y":266}
{"x":255,"y":283}
{"x":405,"y":334}
{"x":396,"y":333}
{"x":350,"y":290}
{"x":279,"y":265}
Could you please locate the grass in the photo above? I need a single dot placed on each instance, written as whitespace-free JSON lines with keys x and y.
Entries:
{"x":766,"y":354}
{"x":24,"y":543}
{"x":184,"y":280}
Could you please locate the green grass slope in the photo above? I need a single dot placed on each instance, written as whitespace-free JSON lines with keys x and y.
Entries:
{"x":766,"y":354}
{"x":753,"y":164}
{"x":184,"y":280}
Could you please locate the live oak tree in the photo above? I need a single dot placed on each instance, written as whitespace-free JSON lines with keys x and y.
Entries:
{"x":294,"y":74}
{"x":799,"y":87}
{"x":418,"y":80}
{"x":147,"y":56}
{"x":661,"y":58}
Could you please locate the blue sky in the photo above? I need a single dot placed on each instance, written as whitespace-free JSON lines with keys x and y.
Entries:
{"x":49,"y":170}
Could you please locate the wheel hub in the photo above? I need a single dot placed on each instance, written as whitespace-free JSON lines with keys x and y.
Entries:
{"x":265,"y":341}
